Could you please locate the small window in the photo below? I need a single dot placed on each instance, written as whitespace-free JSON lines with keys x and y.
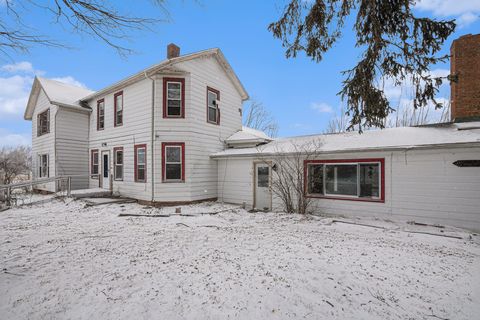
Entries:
{"x":43,"y":166}
{"x":43,"y":123}
{"x":173,"y":155}
{"x":118,"y":163}
{"x":370,"y":180}
{"x":94,"y":163}
{"x":263,"y":177}
{"x":118,"y":102}
{"x":100,"y":114}
{"x":213,"y":111}
{"x":140,"y":163}
{"x":173,"y":98}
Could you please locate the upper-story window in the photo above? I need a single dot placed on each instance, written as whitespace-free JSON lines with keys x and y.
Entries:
{"x":100,"y":114}
{"x":118,"y":108}
{"x":173,"y":98}
{"x":43,"y":123}
{"x":213,"y":111}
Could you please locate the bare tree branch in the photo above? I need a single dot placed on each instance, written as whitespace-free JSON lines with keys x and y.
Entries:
{"x":98,"y":18}
{"x":258,"y":117}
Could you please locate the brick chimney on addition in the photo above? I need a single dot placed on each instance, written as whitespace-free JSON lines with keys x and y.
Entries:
{"x":173,"y":51}
{"x":465,"y":78}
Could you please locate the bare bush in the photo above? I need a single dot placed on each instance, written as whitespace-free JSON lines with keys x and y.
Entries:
{"x":14,"y":161}
{"x":288,"y":175}
{"x":258,"y":117}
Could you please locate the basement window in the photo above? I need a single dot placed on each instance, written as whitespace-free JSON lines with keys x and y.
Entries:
{"x":43,"y":123}
{"x":346,"y":179}
{"x":173,"y":161}
{"x":173,"y":98}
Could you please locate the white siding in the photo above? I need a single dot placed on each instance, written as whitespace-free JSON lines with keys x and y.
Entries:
{"x":136,"y":129}
{"x":45,"y":144}
{"x":71,"y":138}
{"x":201,"y":138}
{"x":421,"y":185}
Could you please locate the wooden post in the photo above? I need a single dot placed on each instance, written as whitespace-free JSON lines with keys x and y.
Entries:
{"x":8,"y":200}
{"x":69,"y":187}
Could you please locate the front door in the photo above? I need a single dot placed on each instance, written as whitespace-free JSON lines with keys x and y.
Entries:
{"x":263,"y":196}
{"x":105,"y":170}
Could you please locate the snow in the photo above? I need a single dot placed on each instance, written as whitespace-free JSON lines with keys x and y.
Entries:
{"x":65,"y":260}
{"x":248,"y":135}
{"x":62,"y":92}
{"x":404,"y":137}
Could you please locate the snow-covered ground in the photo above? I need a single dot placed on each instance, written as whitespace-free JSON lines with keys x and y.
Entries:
{"x":63,"y":260}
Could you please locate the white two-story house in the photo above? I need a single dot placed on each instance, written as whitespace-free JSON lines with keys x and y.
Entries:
{"x":149,"y":136}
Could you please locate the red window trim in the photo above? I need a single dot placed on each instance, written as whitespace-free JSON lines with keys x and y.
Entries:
{"x":120,"y":93}
{"x":218,"y":109}
{"x":182,"y":105}
{"x":91,"y":163}
{"x":177,"y":144}
{"x":365,"y":160}
{"x":115,"y":149}
{"x":98,"y":114}
{"x":135,"y":148}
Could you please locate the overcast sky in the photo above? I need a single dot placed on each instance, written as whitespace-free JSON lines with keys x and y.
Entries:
{"x":300,"y":93}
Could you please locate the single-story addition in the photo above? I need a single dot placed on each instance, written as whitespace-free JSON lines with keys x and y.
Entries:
{"x":172,"y":133}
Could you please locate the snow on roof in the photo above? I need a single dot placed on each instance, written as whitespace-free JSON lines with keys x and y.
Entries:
{"x":393,"y":138}
{"x":63,"y":93}
{"x":248,"y":135}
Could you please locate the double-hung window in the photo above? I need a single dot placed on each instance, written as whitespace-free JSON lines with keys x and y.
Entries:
{"x":213,"y":111}
{"x":173,"y":161}
{"x":43,"y":167}
{"x":100,"y":114}
{"x":94,"y":161}
{"x":118,"y":163}
{"x":173,"y":98}
{"x":360,"y":179}
{"x":43,"y":123}
{"x":118,"y":108}
{"x":140,"y":162}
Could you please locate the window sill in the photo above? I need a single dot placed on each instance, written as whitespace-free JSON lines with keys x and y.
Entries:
{"x":345,"y":198}
{"x":173,"y":181}
{"x":140,"y":181}
{"x":215,"y":123}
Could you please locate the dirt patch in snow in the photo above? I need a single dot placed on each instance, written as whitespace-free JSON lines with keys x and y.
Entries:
{"x":62,"y":260}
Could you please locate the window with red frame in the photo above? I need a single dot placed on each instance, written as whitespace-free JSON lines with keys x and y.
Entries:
{"x":173,"y":97}
{"x":94,"y":163}
{"x":173,"y":161}
{"x":118,"y":108}
{"x":140,"y":163}
{"x":100,"y":114}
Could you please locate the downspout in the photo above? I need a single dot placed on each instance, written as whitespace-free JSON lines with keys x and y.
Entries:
{"x":152,"y":152}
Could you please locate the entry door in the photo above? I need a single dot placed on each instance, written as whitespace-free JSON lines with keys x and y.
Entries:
{"x":263,"y":196}
{"x":105,"y":170}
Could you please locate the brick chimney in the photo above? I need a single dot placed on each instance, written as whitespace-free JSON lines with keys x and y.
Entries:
{"x":173,"y":51}
{"x":465,"y":78}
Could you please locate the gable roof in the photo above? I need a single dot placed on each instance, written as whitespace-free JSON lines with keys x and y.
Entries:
{"x":387,"y":139}
{"x":58,"y":93}
{"x":169,"y":63}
